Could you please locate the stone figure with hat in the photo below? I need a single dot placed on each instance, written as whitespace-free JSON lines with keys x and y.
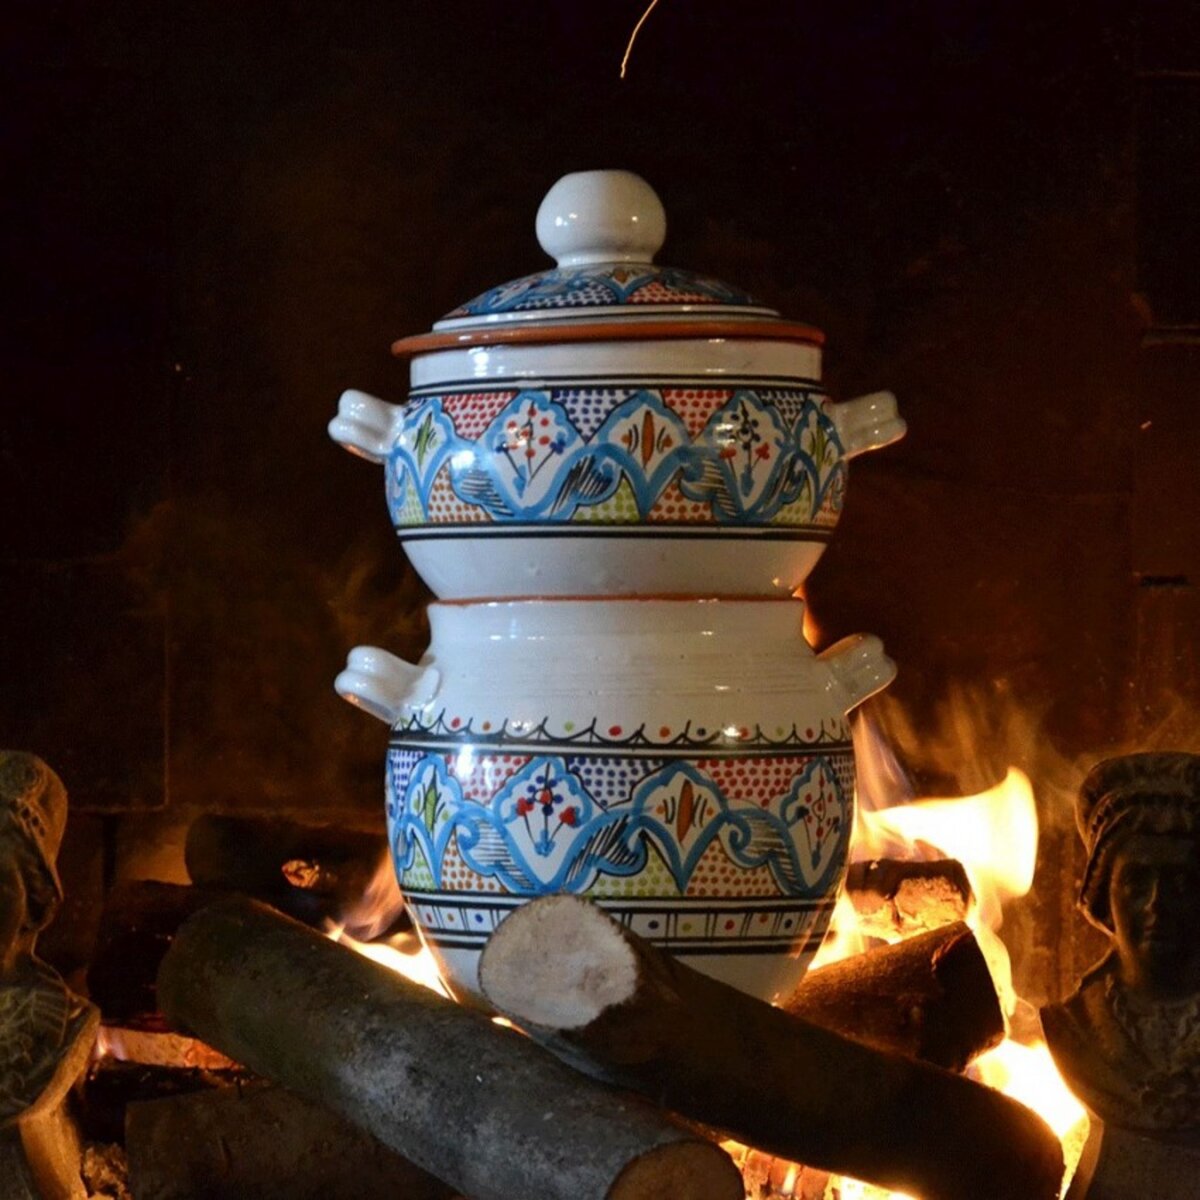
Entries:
{"x":1128,"y":1039}
{"x":46,"y":1031}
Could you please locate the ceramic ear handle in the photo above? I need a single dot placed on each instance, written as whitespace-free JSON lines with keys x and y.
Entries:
{"x":859,"y":666}
{"x":364,"y":425}
{"x":867,"y":423}
{"x":384,"y":685}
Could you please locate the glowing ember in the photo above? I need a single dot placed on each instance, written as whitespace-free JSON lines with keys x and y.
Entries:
{"x":157,"y":1048}
{"x":851,"y":1189}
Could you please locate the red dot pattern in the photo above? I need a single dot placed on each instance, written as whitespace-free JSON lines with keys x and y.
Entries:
{"x":473,"y":412}
{"x":487,"y":774}
{"x":694,"y":406}
{"x":675,"y":507}
{"x":760,"y":781}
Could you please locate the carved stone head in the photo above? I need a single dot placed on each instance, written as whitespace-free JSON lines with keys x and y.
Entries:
{"x":1139,"y":816}
{"x":33,"y":815}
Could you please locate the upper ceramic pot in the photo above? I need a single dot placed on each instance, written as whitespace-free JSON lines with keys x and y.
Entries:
{"x":612,"y":427}
{"x":685,"y":764}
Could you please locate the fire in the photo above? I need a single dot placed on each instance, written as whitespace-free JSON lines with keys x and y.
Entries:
{"x":1027,"y":1073}
{"x":403,"y":954}
{"x":378,"y":909}
{"x":994,"y":835}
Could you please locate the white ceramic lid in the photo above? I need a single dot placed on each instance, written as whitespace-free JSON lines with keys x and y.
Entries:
{"x":603,"y":229}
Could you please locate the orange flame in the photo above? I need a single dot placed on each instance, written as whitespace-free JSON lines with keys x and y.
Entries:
{"x":378,"y":910}
{"x":994,"y":835}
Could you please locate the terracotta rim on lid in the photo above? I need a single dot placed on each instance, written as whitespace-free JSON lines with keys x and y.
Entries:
{"x":608,"y":331}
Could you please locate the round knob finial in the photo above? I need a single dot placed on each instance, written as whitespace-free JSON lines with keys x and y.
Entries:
{"x":601,"y":217}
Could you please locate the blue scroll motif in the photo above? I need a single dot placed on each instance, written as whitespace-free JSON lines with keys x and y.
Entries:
{"x":752,"y":463}
{"x":759,"y":453}
{"x":543,"y":831}
{"x":427,"y":439}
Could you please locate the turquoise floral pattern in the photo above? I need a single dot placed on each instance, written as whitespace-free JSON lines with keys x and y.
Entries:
{"x":538,"y":824}
{"x":617,"y":454}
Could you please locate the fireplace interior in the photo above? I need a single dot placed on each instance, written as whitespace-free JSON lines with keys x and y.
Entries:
{"x":219,"y":219}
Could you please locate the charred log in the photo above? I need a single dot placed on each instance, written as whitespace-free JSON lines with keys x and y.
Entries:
{"x":478,"y":1105}
{"x":929,"y":997}
{"x":261,"y":1143}
{"x":111,"y":1086}
{"x":624,"y":1012}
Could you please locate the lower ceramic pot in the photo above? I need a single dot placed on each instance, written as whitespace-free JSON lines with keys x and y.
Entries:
{"x":686,"y":764}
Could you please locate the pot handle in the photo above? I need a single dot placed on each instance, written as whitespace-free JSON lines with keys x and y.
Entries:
{"x":868,"y":422}
{"x":859,"y":667}
{"x":384,"y":685}
{"x":364,"y":425}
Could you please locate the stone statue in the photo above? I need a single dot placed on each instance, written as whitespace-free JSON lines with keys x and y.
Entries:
{"x":1128,"y":1039}
{"x":46,"y":1031}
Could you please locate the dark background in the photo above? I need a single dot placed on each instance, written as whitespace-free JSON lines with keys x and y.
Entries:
{"x":219,"y":215}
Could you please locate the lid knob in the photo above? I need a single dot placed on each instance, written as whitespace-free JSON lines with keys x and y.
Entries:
{"x":601,"y":217}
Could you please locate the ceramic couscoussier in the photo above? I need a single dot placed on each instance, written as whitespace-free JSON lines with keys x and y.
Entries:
{"x":613,"y":427}
{"x":685,"y":764}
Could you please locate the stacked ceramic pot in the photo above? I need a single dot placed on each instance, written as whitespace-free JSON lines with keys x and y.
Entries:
{"x":614,"y":476}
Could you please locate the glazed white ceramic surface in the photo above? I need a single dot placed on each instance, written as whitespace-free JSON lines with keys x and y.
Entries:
{"x":685,"y":764}
{"x":694,"y":454}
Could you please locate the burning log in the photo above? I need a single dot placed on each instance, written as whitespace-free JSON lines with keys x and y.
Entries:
{"x":894,"y":895}
{"x":478,"y":1105}
{"x":263,"y":1142}
{"x":929,"y":997}
{"x":622,"y":1011}
{"x":141,"y":918}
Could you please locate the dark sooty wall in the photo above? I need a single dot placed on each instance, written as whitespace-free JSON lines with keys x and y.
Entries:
{"x":219,"y":215}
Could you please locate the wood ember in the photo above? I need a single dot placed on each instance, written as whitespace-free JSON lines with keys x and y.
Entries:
{"x":157,"y":1048}
{"x":105,"y":1171}
{"x":623,"y":1011}
{"x":481,"y":1106}
{"x":261,"y":1143}
{"x":895,"y":896}
{"x":769,"y":1178}
{"x":929,"y":997}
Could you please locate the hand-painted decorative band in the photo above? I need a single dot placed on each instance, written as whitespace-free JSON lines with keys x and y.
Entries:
{"x":445,"y":729}
{"x":618,"y":454}
{"x":612,"y":825}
